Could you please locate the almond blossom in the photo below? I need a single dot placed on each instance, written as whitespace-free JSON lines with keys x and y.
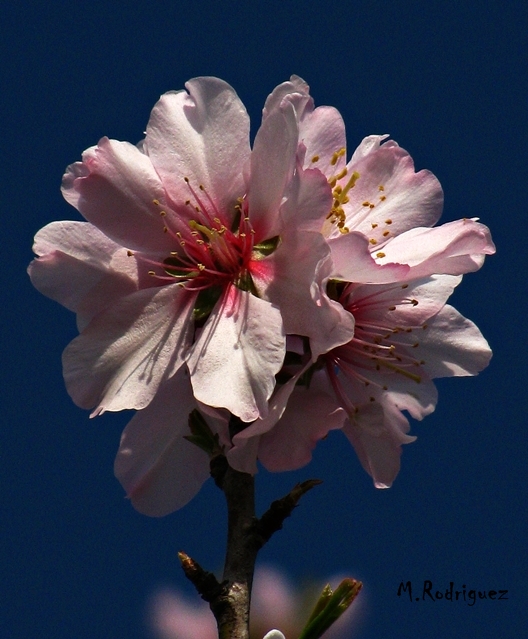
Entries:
{"x":393,"y":271}
{"x":188,"y":274}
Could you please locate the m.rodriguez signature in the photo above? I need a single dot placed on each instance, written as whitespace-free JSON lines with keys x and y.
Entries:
{"x":427,"y":592}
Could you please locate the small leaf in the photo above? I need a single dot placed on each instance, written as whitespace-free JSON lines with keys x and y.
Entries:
{"x":205,"y":302}
{"x":263,"y":249}
{"x":329,"y":607}
{"x":202,"y":436}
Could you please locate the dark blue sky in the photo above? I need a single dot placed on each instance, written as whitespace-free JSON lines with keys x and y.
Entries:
{"x":450,"y":85}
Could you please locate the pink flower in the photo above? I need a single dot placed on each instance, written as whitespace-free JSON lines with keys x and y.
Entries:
{"x":190,"y":256}
{"x":393,"y":274}
{"x":187,"y":276}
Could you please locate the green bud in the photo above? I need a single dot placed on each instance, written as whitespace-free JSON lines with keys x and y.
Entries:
{"x":202,"y":436}
{"x":329,"y":607}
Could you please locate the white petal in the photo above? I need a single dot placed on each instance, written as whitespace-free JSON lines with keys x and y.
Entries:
{"x":204,"y":136}
{"x":114,"y":188}
{"x":454,"y":248}
{"x":235,"y":359}
{"x":159,"y":469}
{"x":453,"y":346}
{"x":124,"y":354}
{"x":81,"y":268}
{"x":272,"y":164}
{"x":309,"y":416}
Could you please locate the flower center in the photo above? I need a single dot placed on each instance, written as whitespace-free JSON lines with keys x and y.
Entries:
{"x":212,"y":249}
{"x":379,"y":348}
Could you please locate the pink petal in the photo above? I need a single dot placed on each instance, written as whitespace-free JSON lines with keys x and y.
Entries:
{"x":453,"y":248}
{"x":323,"y":134}
{"x":369,"y":145}
{"x":243,"y":455}
{"x":204,"y":136}
{"x":321,"y":131}
{"x":159,"y":469}
{"x":272,"y":165}
{"x":379,"y":454}
{"x":353,"y":262}
{"x":287,"y":280}
{"x":241,"y":348}
{"x":128,"y":350}
{"x":308,"y":199}
{"x":296,"y":91}
{"x":79,"y":267}
{"x":114,"y":189}
{"x":452,"y":345}
{"x":309,"y":417}
{"x":402,"y":305}
{"x":389,"y":198}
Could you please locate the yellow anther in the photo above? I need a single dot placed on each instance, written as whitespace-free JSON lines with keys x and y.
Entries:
{"x":342,"y":174}
{"x":173,"y":253}
{"x":336,"y":156}
{"x":163,"y":213}
{"x":380,"y":254}
{"x":315,"y":158}
{"x":152,"y":273}
{"x":187,"y":202}
{"x":156,"y":202}
{"x":186,"y":179}
{"x":165,"y":229}
{"x":130,"y":254}
{"x":201,"y":187}
{"x":372,"y":206}
{"x":349,"y":185}
{"x":383,"y":198}
{"x":374,"y":225}
{"x":388,"y":221}
{"x":373,"y":241}
{"x":381,"y":187}
{"x":201,"y":267}
{"x":344,"y":230}
{"x":392,"y":308}
{"x":366,"y":203}
{"x":385,"y":233}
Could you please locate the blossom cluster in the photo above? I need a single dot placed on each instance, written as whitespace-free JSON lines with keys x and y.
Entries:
{"x":278,"y":283}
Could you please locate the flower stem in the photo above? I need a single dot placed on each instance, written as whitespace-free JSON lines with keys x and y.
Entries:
{"x":232,"y":608}
{"x":230,"y":599}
